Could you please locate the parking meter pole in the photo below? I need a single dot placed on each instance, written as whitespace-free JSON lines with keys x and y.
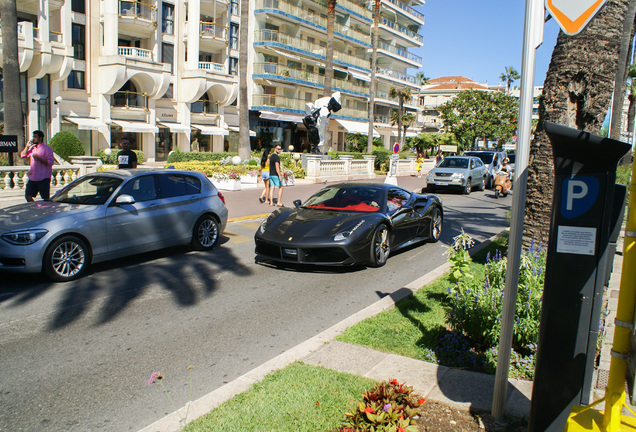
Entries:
{"x":532,"y":38}
{"x":615,"y":390}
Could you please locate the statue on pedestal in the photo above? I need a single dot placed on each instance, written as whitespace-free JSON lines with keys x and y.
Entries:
{"x":316,"y":120}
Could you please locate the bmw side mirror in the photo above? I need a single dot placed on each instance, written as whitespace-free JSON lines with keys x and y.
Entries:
{"x":124,"y":199}
{"x":297,"y":203}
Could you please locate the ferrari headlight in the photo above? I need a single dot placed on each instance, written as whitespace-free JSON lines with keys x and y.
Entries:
{"x":344,"y":234}
{"x":24,"y":238}
{"x":458,"y":175}
{"x":263,"y":227}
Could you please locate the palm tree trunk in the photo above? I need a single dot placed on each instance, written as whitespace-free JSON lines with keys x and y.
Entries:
{"x":576,"y":93}
{"x":244,"y":122}
{"x":621,"y":72}
{"x":400,"y":120}
{"x":374,"y":63}
{"x":13,"y":117}
{"x":331,"y":18}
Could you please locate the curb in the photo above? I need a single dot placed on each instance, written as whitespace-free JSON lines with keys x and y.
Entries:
{"x":173,"y":422}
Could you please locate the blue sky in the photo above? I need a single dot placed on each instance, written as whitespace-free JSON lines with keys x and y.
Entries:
{"x":478,"y":39}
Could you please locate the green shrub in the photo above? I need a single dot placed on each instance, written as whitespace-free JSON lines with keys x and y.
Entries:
{"x":179,"y":156}
{"x":3,"y":161}
{"x":65,"y":144}
{"x":112,"y":158}
{"x":381,"y":158}
{"x":476,"y":302}
{"x":387,"y":407}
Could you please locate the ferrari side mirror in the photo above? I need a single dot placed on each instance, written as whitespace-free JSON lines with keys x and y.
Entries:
{"x":297,"y":203}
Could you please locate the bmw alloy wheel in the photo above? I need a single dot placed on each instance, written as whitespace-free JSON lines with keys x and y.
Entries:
{"x":66,"y":259}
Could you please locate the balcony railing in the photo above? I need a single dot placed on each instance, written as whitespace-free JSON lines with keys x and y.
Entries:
{"x":302,"y":75}
{"x":401,"y":52}
{"x":212,"y":67}
{"x":136,"y":53}
{"x":346,"y":4}
{"x":407,"y":9}
{"x":129,"y":99}
{"x":137,"y":9}
{"x":285,"y":102}
{"x":55,"y":36}
{"x":15,"y":178}
{"x":401,"y":29}
{"x":312,"y":49}
{"x":314,"y":18}
{"x":204,"y":106}
{"x":397,"y":75}
{"x":381,"y":119}
{"x":213,"y":29}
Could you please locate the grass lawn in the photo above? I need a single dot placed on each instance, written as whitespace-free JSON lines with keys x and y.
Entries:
{"x":279,"y":403}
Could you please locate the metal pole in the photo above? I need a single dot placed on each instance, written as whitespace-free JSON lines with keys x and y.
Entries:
{"x":532,"y":38}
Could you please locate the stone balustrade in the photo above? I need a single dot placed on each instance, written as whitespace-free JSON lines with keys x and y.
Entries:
{"x":15,"y":178}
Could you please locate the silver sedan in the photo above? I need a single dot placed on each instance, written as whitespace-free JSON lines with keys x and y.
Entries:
{"x":461,"y":172}
{"x":108,"y":215}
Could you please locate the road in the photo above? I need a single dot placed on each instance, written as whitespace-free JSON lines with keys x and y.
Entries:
{"x":77,"y":356}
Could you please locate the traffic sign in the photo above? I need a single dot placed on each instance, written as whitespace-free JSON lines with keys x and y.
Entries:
{"x":396,"y":148}
{"x":580,"y":195}
{"x":573,"y":15}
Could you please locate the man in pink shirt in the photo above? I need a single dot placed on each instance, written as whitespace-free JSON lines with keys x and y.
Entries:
{"x":41,"y":160}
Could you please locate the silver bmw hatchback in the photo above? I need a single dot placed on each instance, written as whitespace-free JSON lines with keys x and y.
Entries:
{"x":108,"y":215}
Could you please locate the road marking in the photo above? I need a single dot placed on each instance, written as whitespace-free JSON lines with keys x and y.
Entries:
{"x":237,"y":238}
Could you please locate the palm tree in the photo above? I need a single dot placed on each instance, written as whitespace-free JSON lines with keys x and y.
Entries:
{"x":331,"y":19}
{"x":244,"y":122}
{"x":13,"y":124}
{"x":422,"y":80}
{"x":509,"y":76}
{"x":402,"y":95}
{"x":407,"y":120}
{"x":585,"y":65}
{"x":374,"y":63}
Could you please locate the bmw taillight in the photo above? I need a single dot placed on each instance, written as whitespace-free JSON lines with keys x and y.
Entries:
{"x":222,"y":197}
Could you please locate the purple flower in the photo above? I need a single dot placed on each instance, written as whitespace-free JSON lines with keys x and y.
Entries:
{"x":387,"y":407}
{"x":154,"y":377}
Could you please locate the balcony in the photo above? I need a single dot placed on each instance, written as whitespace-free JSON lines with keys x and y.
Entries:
{"x":402,"y":31}
{"x":284,"y":73}
{"x":129,"y":99}
{"x":298,"y":105}
{"x":396,"y":76}
{"x":400,"y":54}
{"x":217,"y":68}
{"x":209,"y":7}
{"x":136,"y":53}
{"x":212,"y":36}
{"x":137,"y":19}
{"x":418,"y":16}
{"x":273,"y":38}
{"x":300,"y":15}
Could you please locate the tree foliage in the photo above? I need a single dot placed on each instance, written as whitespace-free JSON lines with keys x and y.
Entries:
{"x":431,"y":141}
{"x":479,"y":114}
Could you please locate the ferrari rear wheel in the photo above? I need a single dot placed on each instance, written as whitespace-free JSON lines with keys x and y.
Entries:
{"x":436,"y":225}
{"x":380,"y":246}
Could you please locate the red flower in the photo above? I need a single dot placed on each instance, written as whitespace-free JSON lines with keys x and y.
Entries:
{"x":394,"y":381}
{"x":401,"y":429}
{"x":368,"y":410}
{"x":421,"y":401}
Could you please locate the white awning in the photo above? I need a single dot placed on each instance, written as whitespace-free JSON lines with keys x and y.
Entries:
{"x":281,"y":116}
{"x":211,"y":130}
{"x":236,"y":129}
{"x":357,"y":127}
{"x":360,"y":75}
{"x":175,"y":127}
{"x":408,"y":133}
{"x":279,"y":84}
{"x":290,"y":56}
{"x":85,"y":123}
{"x":132,"y":126}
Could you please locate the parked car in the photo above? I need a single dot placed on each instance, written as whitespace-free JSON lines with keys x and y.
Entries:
{"x":492,"y":160}
{"x":349,"y":223}
{"x":108,"y":215}
{"x":458,"y":172}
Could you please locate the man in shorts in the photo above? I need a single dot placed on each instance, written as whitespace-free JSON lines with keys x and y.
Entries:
{"x":275,"y":177}
{"x":41,"y":161}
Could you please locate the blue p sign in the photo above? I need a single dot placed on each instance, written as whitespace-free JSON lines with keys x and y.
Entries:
{"x":578,"y":196}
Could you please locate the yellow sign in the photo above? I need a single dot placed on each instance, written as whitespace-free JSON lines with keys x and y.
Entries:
{"x":573,"y":15}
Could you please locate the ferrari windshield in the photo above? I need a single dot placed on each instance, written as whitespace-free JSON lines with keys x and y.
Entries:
{"x":347,"y":198}
{"x":454,"y":162}
{"x":91,"y":190}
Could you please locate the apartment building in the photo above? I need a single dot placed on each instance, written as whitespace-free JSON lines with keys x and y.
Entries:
{"x":164,"y":72}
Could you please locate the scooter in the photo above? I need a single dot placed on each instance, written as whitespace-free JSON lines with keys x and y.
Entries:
{"x":503,"y":184}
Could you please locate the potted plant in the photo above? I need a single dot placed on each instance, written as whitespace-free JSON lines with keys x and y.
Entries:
{"x":227,"y":181}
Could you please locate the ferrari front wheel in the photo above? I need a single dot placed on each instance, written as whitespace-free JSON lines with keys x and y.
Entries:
{"x":436,"y":225}
{"x":380,"y":246}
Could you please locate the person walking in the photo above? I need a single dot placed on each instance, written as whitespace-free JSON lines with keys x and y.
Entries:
{"x":275,"y":177}
{"x":126,"y":158}
{"x":194,"y":146}
{"x":41,"y":163}
{"x":439,"y":158}
{"x":418,"y":164}
{"x":265,"y":177}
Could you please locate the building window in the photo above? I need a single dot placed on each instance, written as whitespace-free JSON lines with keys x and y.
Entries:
{"x":79,"y":41}
{"x":234,"y":7}
{"x":233,"y":66}
{"x":167,"y":53}
{"x":78,"y":6}
{"x":168,"y":94}
{"x":167,"y":18}
{"x":234,"y":36}
{"x":76,"y":80}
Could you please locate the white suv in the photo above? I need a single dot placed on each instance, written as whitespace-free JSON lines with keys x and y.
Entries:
{"x":492,"y":159}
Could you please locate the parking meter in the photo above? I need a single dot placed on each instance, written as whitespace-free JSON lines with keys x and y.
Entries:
{"x":584,"y":215}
